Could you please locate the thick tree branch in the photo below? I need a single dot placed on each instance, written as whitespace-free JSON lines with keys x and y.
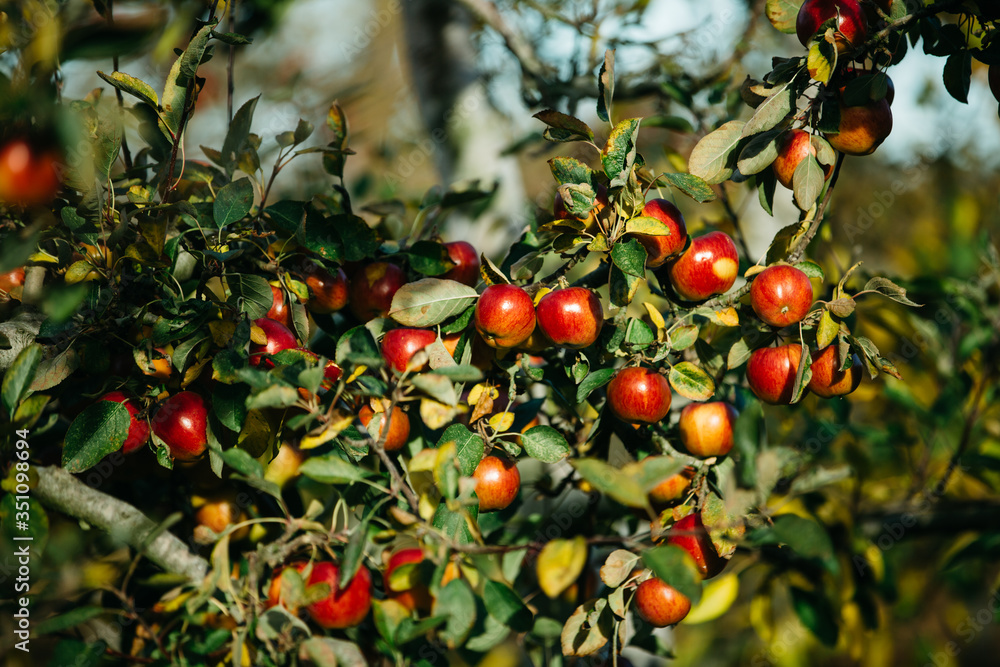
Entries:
{"x":522,"y":49}
{"x":59,"y":490}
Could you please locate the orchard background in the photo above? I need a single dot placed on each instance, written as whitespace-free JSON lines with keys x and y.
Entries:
{"x":175,"y":176}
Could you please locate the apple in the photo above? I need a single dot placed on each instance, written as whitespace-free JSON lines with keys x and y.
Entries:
{"x":570,"y":317}
{"x":279,"y":312}
{"x":372,"y":289}
{"x":220,"y":512}
{"x":660,"y":604}
{"x":690,"y":534}
{"x":399,"y":346}
{"x":639,"y":396}
{"x":341,"y":608}
{"x":29,"y":175}
{"x":497,"y":482}
{"x":505,"y":315}
{"x":399,"y":426}
{"x":781,"y":295}
{"x":159,"y":365}
{"x":279,"y":338}
{"x":661,"y":248}
{"x":793,"y":147}
{"x":827,"y":378}
{"x":852,"y":28}
{"x":417,"y":596}
{"x":862,"y":128}
{"x":284,"y":467}
{"x":182,"y":424}
{"x":327,"y":291}
{"x":673,"y":488}
{"x":138,"y":428}
{"x":11,"y":280}
{"x":771,"y":372}
{"x":708,"y":267}
{"x":466,"y":260}
{"x":707,"y":428}
{"x":993,"y":75}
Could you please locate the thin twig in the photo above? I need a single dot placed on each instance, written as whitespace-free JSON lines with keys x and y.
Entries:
{"x":963,"y":443}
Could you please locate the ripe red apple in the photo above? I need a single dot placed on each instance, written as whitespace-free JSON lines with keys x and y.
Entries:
{"x":707,"y":428}
{"x":852,"y":28}
{"x":639,"y":395}
{"x":341,"y":608}
{"x":12,"y":279}
{"x":661,"y":248}
{"x":279,"y":337}
{"x":505,"y":315}
{"x":497,"y":482}
{"x":771,"y":372}
{"x":993,"y":75}
{"x":182,"y":424}
{"x":673,"y":488}
{"x":399,"y":346}
{"x":781,"y":295}
{"x":570,"y":317}
{"x":138,"y":429}
{"x":279,"y":312}
{"x":327,"y":291}
{"x":708,"y":267}
{"x":827,"y":378}
{"x":372,"y":289}
{"x":399,"y":426}
{"x":862,"y":128}
{"x":660,"y":604}
{"x":29,"y":176}
{"x":417,"y":596}
{"x":466,"y":260}
{"x":690,"y":534}
{"x":793,"y":147}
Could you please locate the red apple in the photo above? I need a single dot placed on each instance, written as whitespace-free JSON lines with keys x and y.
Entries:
{"x":570,"y":317}
{"x":138,"y":429}
{"x":708,"y":267}
{"x":673,"y":488}
{"x":418,"y":596}
{"x":781,"y":295}
{"x":11,"y":280}
{"x":466,"y":260}
{"x":862,"y":128}
{"x":327,"y":291}
{"x":497,"y":483}
{"x":372,"y":289}
{"x":707,"y":428}
{"x":690,"y":534}
{"x":660,"y":604}
{"x":505,"y":315}
{"x":341,"y":608}
{"x":29,"y":176}
{"x":399,"y":346}
{"x":639,"y":396}
{"x":182,"y":424}
{"x":852,"y":28}
{"x":279,"y":338}
{"x":279,"y":312}
{"x":793,"y":147}
{"x":661,"y":248}
{"x":399,"y":426}
{"x":827,"y":378}
{"x":771,"y":372}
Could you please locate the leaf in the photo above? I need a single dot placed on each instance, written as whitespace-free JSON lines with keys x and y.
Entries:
{"x":676,"y":567}
{"x":618,"y":567}
{"x":771,"y":112}
{"x":712,"y":158}
{"x":506,"y":606}
{"x":622,"y":286}
{"x":653,"y":470}
{"x":759,"y":153}
{"x":691,"y":381}
{"x":559,"y":564}
{"x":683,"y":337}
{"x":842,"y":307}
{"x":251,"y":293}
{"x":821,"y":61}
{"x":606,"y":86}
{"x":567,"y":170}
{"x":619,"y":152}
{"x":133,"y":86}
{"x":816,"y":613}
{"x":96,"y":432}
{"x":66,"y":621}
{"x":588,"y":629}
{"x":457,"y":602}
{"x":545,"y":444}
{"x":437,"y":386}
{"x":694,"y":187}
{"x":782,"y":14}
{"x":238,"y":134}
{"x":595,"y":380}
{"x":611,"y":481}
{"x":649,"y":226}
{"x":469,"y":447}
{"x":430,"y":301}
{"x":562,"y":128}
{"x":958,"y":75}
{"x":738,"y":355}
{"x":826,"y":331}
{"x":18,"y":378}
{"x":630,"y":257}
{"x":886,"y":287}
{"x":807,"y":182}
{"x":331,"y":469}
{"x":233,"y":202}
{"x":803,"y":536}
{"x":329,"y":652}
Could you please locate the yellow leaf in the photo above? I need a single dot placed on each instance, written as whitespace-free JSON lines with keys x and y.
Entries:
{"x":540,"y":293}
{"x":358,"y":372}
{"x":42,"y":256}
{"x":421,"y":474}
{"x":222,"y":332}
{"x":332,"y":430}
{"x":258,"y":336}
{"x":477,"y":391}
{"x":762,"y":616}
{"x":437,"y":415}
{"x":655,"y":316}
{"x":754,"y":270}
{"x":80,"y":271}
{"x":716,"y":599}
{"x":502,"y":422}
{"x":728,"y":317}
{"x":559,"y":564}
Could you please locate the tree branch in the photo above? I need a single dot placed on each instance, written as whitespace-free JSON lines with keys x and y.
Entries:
{"x":522,"y":49}
{"x":61,"y":491}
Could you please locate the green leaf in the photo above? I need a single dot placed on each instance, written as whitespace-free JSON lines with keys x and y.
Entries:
{"x":588,"y":629}
{"x":646,"y":225}
{"x":675,"y":566}
{"x":233,"y":202}
{"x":683,"y":337}
{"x":251,"y":293}
{"x":545,"y":444}
{"x":619,"y":152}
{"x":456,"y":601}
{"x":192,"y":56}
{"x":331,"y":469}
{"x":595,"y":380}
{"x":958,"y":75}
{"x":738,"y":355}
{"x":887,"y":288}
{"x":562,"y":128}
{"x":693,"y":186}
{"x":437,"y":386}
{"x":606,"y":86}
{"x":429,"y":258}
{"x":567,"y":170}
{"x":229,"y":405}
{"x":238,"y":135}
{"x":630,"y":257}
{"x":808,"y":182}
{"x":455,"y":524}
{"x":782,"y":14}
{"x":622,"y":286}
{"x":430,"y":301}
{"x":771,"y":111}
{"x":759,"y":153}
{"x":357,"y":347}
{"x":133,"y":86}
{"x":506,"y":606}
{"x":691,"y":382}
{"x":826,"y":331}
{"x":816,"y":613}
{"x":20,"y":375}
{"x":68,"y":620}
{"x":469,"y":447}
{"x":748,"y":440}
{"x":243,"y":463}
{"x":96,"y":432}
{"x":714,"y":157}
{"x":328,"y":652}
{"x":360,"y":241}
{"x":611,"y":481}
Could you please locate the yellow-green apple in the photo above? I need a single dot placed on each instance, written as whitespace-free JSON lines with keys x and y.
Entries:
{"x":505,"y":315}
{"x":660,"y":248}
{"x":771,"y":372}
{"x":707,"y":428}
{"x":497,"y":482}
{"x":827,"y":378}
{"x":639,"y":395}
{"x":708,"y":267}
{"x":781,"y":295}
{"x":570,"y":317}
{"x":660,"y":604}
